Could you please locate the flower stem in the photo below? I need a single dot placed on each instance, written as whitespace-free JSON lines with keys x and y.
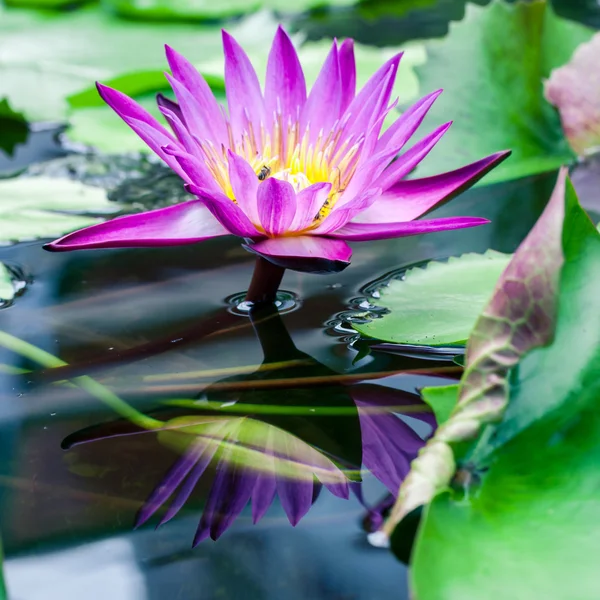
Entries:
{"x":86,"y":383}
{"x":265,"y":282}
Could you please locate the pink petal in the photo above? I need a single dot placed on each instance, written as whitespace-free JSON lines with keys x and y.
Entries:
{"x":244,"y":183}
{"x":185,"y":223}
{"x":310,"y":254}
{"x":200,"y":108}
{"x":276,"y":205}
{"x":412,"y":198}
{"x":174,"y":118}
{"x":348,"y":72}
{"x":226,"y":211}
{"x":308,"y":203}
{"x":364,"y":232}
{"x":323,"y":106}
{"x":411,"y":158}
{"x":195,"y":171}
{"x":244,"y":97}
{"x":285,"y":88}
{"x":141,"y":121}
{"x":402,"y":130}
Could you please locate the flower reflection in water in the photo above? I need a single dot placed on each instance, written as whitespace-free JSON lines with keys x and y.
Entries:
{"x":274,"y":433}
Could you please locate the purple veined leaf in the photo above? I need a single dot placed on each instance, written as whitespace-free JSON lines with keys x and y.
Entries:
{"x":520,"y":316}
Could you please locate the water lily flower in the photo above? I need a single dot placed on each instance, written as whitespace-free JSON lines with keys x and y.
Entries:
{"x":296,"y":174}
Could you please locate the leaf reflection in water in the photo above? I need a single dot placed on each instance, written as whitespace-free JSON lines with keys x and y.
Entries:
{"x":260,"y":443}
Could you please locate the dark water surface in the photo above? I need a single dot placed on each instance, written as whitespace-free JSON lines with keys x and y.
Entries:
{"x":136,"y":320}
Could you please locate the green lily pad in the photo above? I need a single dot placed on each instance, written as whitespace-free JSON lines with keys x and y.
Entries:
{"x":528,"y":526}
{"x":42,"y":207}
{"x":437,"y":305}
{"x":48,"y":56}
{"x":491,"y":66}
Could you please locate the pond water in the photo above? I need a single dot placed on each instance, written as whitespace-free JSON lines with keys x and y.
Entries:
{"x":157,"y":325}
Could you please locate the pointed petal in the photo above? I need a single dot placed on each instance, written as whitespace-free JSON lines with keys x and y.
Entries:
{"x":413,"y":198}
{"x":294,"y":485}
{"x":363,"y":232}
{"x":244,"y":96}
{"x":310,"y":254}
{"x":204,"y":454}
{"x":170,"y":483}
{"x":200,"y":102}
{"x":405,"y":163}
{"x":323,"y":106}
{"x":360,"y":111}
{"x":285,"y":88}
{"x":265,"y":487}
{"x":141,"y":121}
{"x":276,"y":205}
{"x":402,"y":130}
{"x":163,"y":102}
{"x":185,"y":223}
{"x":244,"y":183}
{"x":194,"y":170}
{"x":229,"y":214}
{"x":308,"y":203}
{"x":348,"y":72}
{"x":174,"y":119}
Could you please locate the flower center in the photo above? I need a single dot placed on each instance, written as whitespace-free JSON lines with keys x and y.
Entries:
{"x":289,"y":156}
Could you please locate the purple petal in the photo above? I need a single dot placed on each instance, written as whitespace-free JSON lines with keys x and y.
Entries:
{"x":244,"y":98}
{"x":265,"y":487}
{"x":163,"y":102}
{"x":295,"y":493}
{"x":411,"y":158}
{"x":285,"y":88}
{"x":185,"y":223}
{"x":194,"y":170}
{"x":198,"y":104}
{"x":323,"y":106}
{"x":141,"y":121}
{"x":360,"y":110}
{"x":413,"y":198}
{"x":179,"y":129}
{"x":203,"y":458}
{"x":347,"y":72}
{"x":310,"y":254}
{"x":244,"y":183}
{"x":308,"y":203}
{"x":226,"y":211}
{"x":170,"y":483}
{"x":402,"y":130}
{"x":276,"y":205}
{"x":364,"y":232}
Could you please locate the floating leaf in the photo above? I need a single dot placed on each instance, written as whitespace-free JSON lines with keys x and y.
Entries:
{"x":498,"y":102}
{"x":439,"y":304}
{"x":40,"y":207}
{"x":535,"y":511}
{"x":575,"y":90}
